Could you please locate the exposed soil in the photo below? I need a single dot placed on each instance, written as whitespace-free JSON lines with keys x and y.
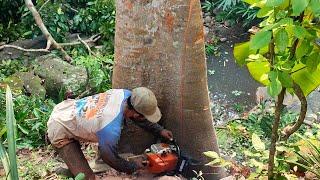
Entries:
{"x":44,"y":163}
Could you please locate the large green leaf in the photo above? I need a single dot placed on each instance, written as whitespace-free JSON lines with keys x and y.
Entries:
{"x":257,"y":143}
{"x":272,"y":3}
{"x":281,"y":40}
{"x":303,"y":48}
{"x":307,"y":80}
{"x":313,"y":61}
{"x":259,"y":69}
{"x":241,"y":51}
{"x":298,"y":6}
{"x":285,"y":79}
{"x":315,"y":6}
{"x":80,"y":176}
{"x":282,"y":22}
{"x":274,"y":88}
{"x":265,"y":11}
{"x":211,"y":154}
{"x":11,"y":135}
{"x":255,"y":3}
{"x":300,"y":32}
{"x":285,"y":4}
{"x":260,"y":40}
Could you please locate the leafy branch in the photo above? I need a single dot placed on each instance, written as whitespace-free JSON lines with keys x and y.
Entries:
{"x":44,"y":30}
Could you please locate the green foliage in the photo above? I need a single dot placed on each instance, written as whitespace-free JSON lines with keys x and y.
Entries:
{"x":31,"y":114}
{"x":61,"y":18}
{"x":247,"y":142}
{"x":9,"y":18}
{"x":231,"y":10}
{"x":80,"y":176}
{"x":284,"y":50}
{"x":225,"y":4}
{"x":98,"y":16}
{"x":212,"y":47}
{"x":9,"y":67}
{"x":99,"y":69}
{"x":11,"y":135}
{"x":54,"y":18}
{"x":4,"y":159}
{"x":257,"y":158}
{"x":309,"y":152}
{"x":216,"y":159}
{"x":208,"y":6}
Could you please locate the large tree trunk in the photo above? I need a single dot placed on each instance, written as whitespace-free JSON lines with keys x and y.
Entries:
{"x":159,"y":44}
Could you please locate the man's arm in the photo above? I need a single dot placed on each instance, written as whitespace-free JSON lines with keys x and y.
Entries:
{"x":110,"y":156}
{"x":154,"y":128}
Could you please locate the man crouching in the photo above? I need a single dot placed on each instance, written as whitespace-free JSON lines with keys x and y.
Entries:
{"x":99,"y":118}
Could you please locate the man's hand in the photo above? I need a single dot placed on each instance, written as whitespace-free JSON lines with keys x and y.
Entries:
{"x":141,"y":163}
{"x":167,"y":134}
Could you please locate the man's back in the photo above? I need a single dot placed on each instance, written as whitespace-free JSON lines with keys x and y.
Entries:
{"x":83,"y":118}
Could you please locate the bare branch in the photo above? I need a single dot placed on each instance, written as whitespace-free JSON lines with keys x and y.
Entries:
{"x":86,"y":45}
{"x":92,"y":39}
{"x":71,"y":8}
{"x":44,"y":30}
{"x":44,"y":4}
{"x":23,"y":49}
{"x":289,"y":130}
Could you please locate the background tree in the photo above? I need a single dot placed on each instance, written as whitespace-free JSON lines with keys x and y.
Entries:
{"x":160,"y":45}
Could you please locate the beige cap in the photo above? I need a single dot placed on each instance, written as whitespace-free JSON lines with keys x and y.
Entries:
{"x":144,"y":102}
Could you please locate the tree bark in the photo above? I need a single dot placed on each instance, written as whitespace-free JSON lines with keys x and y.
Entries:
{"x":159,"y":44}
{"x":274,"y":135}
{"x":290,"y":129}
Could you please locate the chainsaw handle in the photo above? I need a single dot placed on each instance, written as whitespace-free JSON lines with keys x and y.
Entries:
{"x":145,"y":163}
{"x":173,"y":142}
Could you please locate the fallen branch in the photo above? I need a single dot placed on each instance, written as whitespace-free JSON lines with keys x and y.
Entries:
{"x":92,"y":39}
{"x":44,"y":30}
{"x":23,"y":49}
{"x":86,"y":45}
{"x":289,"y":130}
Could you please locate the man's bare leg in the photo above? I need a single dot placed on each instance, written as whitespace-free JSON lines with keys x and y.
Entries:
{"x":75,"y":160}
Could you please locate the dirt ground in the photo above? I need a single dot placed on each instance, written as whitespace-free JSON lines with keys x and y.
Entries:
{"x":44,"y":163}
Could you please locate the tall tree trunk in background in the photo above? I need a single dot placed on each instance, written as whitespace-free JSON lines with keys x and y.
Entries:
{"x":159,"y":44}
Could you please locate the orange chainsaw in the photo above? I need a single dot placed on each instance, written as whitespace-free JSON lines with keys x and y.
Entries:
{"x":166,"y":159}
